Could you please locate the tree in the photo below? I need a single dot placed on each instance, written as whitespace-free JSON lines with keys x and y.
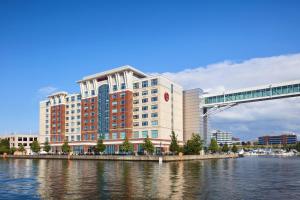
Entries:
{"x":66,"y":147}
{"x":225,"y":148}
{"x":4,"y":146}
{"x":148,"y":146}
{"x":126,"y":146}
{"x":47,"y":147}
{"x":174,"y":147}
{"x":21,"y":149}
{"x":234,"y":149}
{"x":13,"y":150}
{"x":100,"y":147}
{"x":213,"y":147}
{"x":194,"y":145}
{"x":35,"y":147}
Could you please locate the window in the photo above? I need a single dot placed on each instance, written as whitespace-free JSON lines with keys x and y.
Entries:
{"x":136,"y":101}
{"x":93,"y":92}
{"x":144,"y":134}
{"x":122,"y":125}
{"x":154,"y":123}
{"x":114,"y":110}
{"x":145,"y":100}
{"x":136,"y":109}
{"x":78,"y":137}
{"x":122,"y":117}
{"x":145,"y":123}
{"x":154,"y":99}
{"x":93,"y":136}
{"x":154,"y":91}
{"x":135,"y":134}
{"x":145,"y":84}
{"x":114,"y":135}
{"x":114,"y":117}
{"x":123,"y":86}
{"x":115,"y":88}
{"x":144,"y":115}
{"x":136,"y":85}
{"x":135,"y":124}
{"x":145,"y":108}
{"x":86,"y":136}
{"x":73,"y":98}
{"x":114,"y":125}
{"x":114,"y":96}
{"x":122,"y":135}
{"x":106,"y":136}
{"x":154,"y":114}
{"x":114,"y":103}
{"x":136,"y":94}
{"x":122,"y":94}
{"x":145,"y":92}
{"x":122,"y":109}
{"x":154,"y":82}
{"x":135,"y":116}
{"x":154,"y":133}
{"x":122,"y":102}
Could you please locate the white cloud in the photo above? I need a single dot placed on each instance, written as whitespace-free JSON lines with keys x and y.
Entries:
{"x":45,"y":91}
{"x":253,"y":119}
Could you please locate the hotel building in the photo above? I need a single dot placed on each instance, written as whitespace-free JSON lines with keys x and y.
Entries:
{"x":278,"y":139}
{"x":115,"y":104}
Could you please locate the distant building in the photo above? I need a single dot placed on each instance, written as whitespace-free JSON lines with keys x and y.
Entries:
{"x":278,"y":139}
{"x":236,"y":141}
{"x":18,"y":139}
{"x":222,"y":137}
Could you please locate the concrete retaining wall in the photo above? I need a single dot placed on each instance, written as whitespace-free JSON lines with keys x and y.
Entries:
{"x":126,"y":158}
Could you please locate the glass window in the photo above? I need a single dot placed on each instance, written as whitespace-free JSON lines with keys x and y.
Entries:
{"x":154,"y":107}
{"x":135,"y":116}
{"x":154,"y":91}
{"x":145,"y":84}
{"x":136,"y":94}
{"x":154,"y":114}
{"x":153,"y":99}
{"x":114,"y":135}
{"x":144,"y":115}
{"x":145,"y":92}
{"x":154,"y":133}
{"x":145,"y":100}
{"x":115,"y":87}
{"x":122,"y":135}
{"x":154,"y":82}
{"x":136,"y":134}
{"x":154,"y":123}
{"x":123,"y":86}
{"x":144,"y":134}
{"x":93,"y":92}
{"x":145,"y":108}
{"x":135,"y":124}
{"x":114,"y":110}
{"x":145,"y":123}
{"x":106,"y":136}
{"x":114,"y":103}
{"x":135,"y":85}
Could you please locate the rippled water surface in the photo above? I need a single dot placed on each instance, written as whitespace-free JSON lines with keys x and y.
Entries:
{"x":242,"y":178}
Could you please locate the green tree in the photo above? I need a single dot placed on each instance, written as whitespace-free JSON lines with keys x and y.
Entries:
{"x":100,"y":147}
{"x":4,"y":146}
{"x":148,"y":146}
{"x":194,"y":145}
{"x":13,"y":150}
{"x":35,"y":147}
{"x":174,"y":147}
{"x":234,"y":149}
{"x":213,"y":147}
{"x":47,"y":147}
{"x":126,"y":146}
{"x":21,"y":149}
{"x":66,"y":147}
{"x":225,"y":148}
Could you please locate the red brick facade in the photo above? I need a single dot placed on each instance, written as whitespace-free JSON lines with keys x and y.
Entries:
{"x":57,"y":123}
{"x":89,"y":119}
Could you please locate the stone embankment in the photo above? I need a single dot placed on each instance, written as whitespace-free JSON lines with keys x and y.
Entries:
{"x":164,"y":158}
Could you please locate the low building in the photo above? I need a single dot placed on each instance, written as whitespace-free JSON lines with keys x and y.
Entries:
{"x":278,"y":139}
{"x":15,"y":140}
{"x":222,"y":137}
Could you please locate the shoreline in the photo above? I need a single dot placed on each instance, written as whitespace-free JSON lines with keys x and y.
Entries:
{"x":166,"y":158}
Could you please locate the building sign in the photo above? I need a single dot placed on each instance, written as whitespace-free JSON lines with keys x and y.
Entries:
{"x":166,"y":95}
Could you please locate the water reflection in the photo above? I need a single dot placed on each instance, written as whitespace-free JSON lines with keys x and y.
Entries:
{"x":246,"y":178}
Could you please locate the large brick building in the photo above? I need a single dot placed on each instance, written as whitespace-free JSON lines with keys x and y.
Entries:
{"x":119,"y":103}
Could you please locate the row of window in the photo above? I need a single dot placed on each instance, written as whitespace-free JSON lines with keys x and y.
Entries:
{"x":145,"y":100}
{"x":73,"y":105}
{"x":154,"y":82}
{"x":122,"y":95}
{"x":145,"y":92}
{"x":145,"y":108}
{"x":73,"y":111}
{"x":145,"y":115}
{"x":73,"y":98}
{"x":145,"y":123}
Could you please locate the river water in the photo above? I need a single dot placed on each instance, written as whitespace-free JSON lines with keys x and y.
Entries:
{"x":242,"y":178}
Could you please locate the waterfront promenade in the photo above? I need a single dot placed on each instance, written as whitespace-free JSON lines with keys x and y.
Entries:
{"x":165,"y":158}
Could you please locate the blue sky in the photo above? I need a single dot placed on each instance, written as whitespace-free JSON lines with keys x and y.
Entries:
{"x":54,"y":43}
